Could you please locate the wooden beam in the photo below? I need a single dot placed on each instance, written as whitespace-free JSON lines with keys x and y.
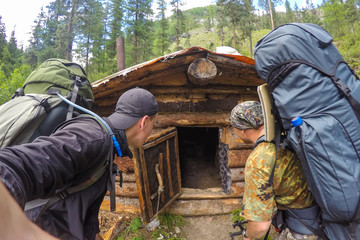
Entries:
{"x":205,"y":207}
{"x":204,"y":119}
{"x":171,"y":190}
{"x":237,"y":174}
{"x":237,"y":158}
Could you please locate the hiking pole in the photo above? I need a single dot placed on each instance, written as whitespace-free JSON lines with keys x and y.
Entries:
{"x":242,"y":229}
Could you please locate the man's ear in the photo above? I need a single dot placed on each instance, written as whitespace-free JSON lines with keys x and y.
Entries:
{"x":143,"y":121}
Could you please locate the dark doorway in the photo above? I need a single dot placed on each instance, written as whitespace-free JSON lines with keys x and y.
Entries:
{"x":197,"y":152}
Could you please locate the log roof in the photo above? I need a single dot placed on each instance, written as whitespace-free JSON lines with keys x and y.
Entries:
{"x":171,"y":70}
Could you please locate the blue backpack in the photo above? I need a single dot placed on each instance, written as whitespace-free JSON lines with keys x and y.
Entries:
{"x":309,"y":80}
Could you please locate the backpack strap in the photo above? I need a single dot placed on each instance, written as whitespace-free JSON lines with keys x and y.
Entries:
{"x":100,"y":170}
{"x":74,"y":94}
{"x":316,"y":231}
{"x":94,"y":177}
{"x":112,"y":182}
{"x":271,"y":178}
{"x":343,"y":89}
{"x":258,"y":141}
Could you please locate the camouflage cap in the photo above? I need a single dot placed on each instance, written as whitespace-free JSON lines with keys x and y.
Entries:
{"x":247,"y":115}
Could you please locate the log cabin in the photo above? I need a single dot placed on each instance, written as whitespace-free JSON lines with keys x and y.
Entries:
{"x":192,"y":164}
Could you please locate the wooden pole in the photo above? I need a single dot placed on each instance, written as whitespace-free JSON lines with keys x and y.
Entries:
{"x":120,"y":53}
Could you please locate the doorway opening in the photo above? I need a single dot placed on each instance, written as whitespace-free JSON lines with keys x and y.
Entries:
{"x":197,"y":153}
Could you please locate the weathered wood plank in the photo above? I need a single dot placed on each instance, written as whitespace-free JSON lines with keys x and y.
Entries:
{"x":237,"y":174}
{"x":236,"y":191}
{"x":205,"y":207}
{"x":214,"y":103}
{"x":205,"y":119}
{"x":229,"y":137}
{"x":130,"y":207}
{"x":171,"y":190}
{"x":129,"y":190}
{"x":237,"y":158}
{"x":165,"y":90}
{"x":139,"y":182}
{"x":145,"y":183}
{"x":127,"y":177}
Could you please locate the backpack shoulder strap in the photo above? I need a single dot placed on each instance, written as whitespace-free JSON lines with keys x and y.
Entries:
{"x":271,"y":178}
{"x":258,"y":141}
{"x":95,"y":175}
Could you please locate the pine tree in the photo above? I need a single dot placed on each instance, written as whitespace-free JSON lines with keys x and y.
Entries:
{"x":246,"y":21}
{"x":179,"y":21}
{"x":90,"y":32}
{"x":116,"y":12}
{"x":289,"y":13}
{"x":2,"y":38}
{"x":139,"y":15}
{"x":232,"y":8}
{"x":162,"y":42}
{"x":222,"y":20}
{"x":15,"y":52}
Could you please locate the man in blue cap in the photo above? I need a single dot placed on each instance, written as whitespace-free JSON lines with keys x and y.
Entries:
{"x":50,"y":165}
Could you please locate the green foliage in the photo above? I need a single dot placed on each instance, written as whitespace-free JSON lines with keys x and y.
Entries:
{"x":170,"y":221}
{"x":132,"y":231}
{"x":236,"y":216}
{"x":88,"y":30}
{"x":169,"y":226}
{"x":9,"y":85}
{"x":166,"y":230}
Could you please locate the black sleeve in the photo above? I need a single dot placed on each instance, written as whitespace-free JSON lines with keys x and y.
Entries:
{"x":50,"y":164}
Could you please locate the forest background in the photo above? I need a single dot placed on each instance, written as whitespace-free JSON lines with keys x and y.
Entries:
{"x":86,"y":32}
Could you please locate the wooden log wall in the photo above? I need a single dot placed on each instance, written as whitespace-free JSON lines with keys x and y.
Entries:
{"x":188,"y":102}
{"x":198,"y":107}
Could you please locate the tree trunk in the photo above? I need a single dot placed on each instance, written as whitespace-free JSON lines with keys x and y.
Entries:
{"x":234,"y":34}
{"x":251,"y":48}
{"x":135,"y":41}
{"x":120,"y":53}
{"x":68,"y":50}
{"x":271,"y":16}
{"x":87,"y":55}
{"x":222,"y":36}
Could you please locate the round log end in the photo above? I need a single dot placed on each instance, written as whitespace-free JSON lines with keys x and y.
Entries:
{"x":202,"y":71}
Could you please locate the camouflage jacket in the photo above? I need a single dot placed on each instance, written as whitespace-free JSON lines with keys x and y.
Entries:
{"x":289,"y":186}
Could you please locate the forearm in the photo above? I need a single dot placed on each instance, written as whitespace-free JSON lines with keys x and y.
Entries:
{"x":14,"y":224}
{"x":256,"y":229}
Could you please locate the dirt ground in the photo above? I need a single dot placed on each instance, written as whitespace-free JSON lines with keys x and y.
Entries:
{"x":215,"y":227}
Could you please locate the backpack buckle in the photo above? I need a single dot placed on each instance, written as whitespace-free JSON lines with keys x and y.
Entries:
{"x":18,"y":93}
{"x":344,"y":90}
{"x":45,"y":105}
{"x":63,"y":195}
{"x":77,"y":80}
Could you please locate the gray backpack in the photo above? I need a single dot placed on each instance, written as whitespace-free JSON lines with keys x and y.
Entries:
{"x":311,"y":84}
